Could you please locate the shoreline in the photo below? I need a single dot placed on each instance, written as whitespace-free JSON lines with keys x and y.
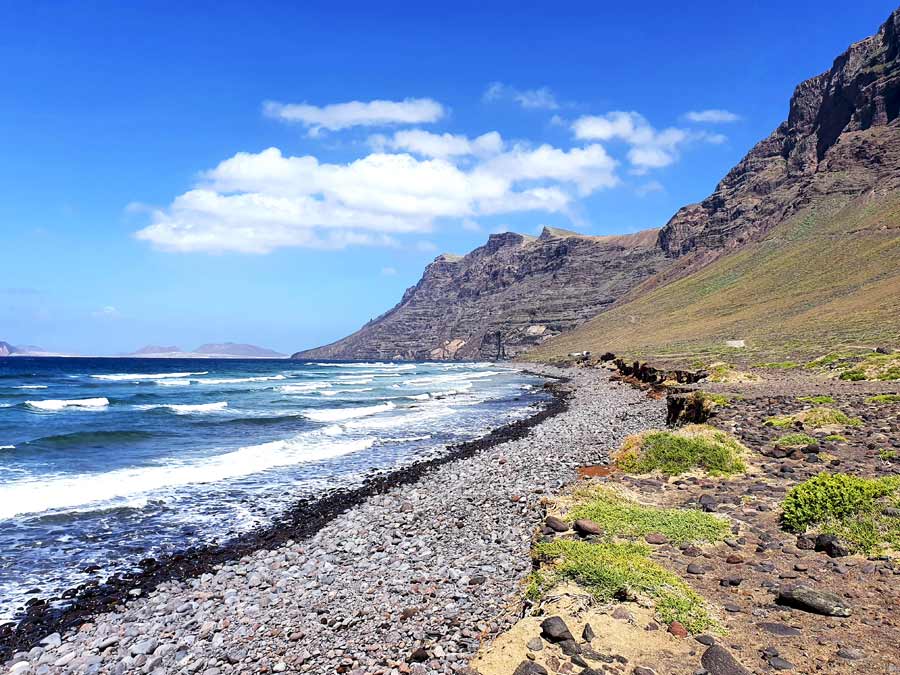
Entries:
{"x":306,"y":517}
{"x":413,"y":579}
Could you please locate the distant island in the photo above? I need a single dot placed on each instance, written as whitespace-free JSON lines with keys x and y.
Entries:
{"x":230,"y":350}
{"x":211,"y":350}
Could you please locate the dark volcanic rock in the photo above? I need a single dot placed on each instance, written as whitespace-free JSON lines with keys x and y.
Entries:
{"x":586,"y":527}
{"x":718,"y":661}
{"x":832,"y":545}
{"x":530,"y":668}
{"x":812,"y":600}
{"x":554,"y":629}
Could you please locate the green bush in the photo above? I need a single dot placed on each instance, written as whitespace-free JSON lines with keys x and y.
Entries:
{"x":619,"y":516}
{"x":846,"y":506}
{"x":610,"y":569}
{"x":676,"y":452}
{"x":832,"y":496}
{"x":884,"y":398}
{"x":814,"y":418}
{"x":795,"y":441}
{"x":854,"y":375}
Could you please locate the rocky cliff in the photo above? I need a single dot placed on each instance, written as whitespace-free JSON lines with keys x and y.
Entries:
{"x":840,"y":137}
{"x":839,"y":143}
{"x":504,"y":297}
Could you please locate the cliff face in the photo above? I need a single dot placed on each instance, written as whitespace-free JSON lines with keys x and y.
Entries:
{"x":504,"y":297}
{"x":840,"y":137}
{"x":840,"y":142}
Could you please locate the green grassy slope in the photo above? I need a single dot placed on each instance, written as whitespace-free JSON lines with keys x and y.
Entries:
{"x":829,"y":277}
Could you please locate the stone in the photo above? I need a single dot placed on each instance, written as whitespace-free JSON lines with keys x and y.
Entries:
{"x":144,"y":647}
{"x":535,"y":644}
{"x":418,"y":655}
{"x":812,"y":600}
{"x":832,"y":545}
{"x":696,"y":568}
{"x":530,"y":668}
{"x":588,"y":633}
{"x":779,"y":629}
{"x":569,"y":647}
{"x":719,"y":661}
{"x":656,"y":538}
{"x":554,"y":629}
{"x":586,"y":527}
{"x":556,"y":524}
{"x":779,"y":663}
{"x":677,"y":629}
{"x":806,"y":542}
{"x":851,"y":653}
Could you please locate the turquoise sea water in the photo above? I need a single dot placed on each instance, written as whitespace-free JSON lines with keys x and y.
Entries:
{"x":104,"y":462}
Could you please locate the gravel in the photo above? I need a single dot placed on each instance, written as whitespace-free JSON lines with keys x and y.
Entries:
{"x":411,"y":581}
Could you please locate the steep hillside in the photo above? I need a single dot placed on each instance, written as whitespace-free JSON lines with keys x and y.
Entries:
{"x":803,"y":235}
{"x":504,"y":297}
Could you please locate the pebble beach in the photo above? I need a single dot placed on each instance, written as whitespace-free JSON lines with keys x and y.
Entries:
{"x":410,"y":581}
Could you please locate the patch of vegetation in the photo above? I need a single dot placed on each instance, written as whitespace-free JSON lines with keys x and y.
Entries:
{"x":814,"y":418}
{"x":778,"y":365}
{"x":884,"y":398}
{"x":884,"y":367}
{"x":887,"y":455}
{"x":537,"y":584}
{"x":836,"y":438}
{"x":610,"y":569}
{"x":847,"y":506}
{"x":726,"y":373}
{"x":817,"y":400}
{"x":828,"y":360}
{"x":619,"y":516}
{"x":795,"y":441}
{"x":676,"y":452}
{"x":716,"y":399}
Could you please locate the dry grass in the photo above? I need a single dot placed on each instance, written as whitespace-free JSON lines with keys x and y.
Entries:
{"x":826,"y":279}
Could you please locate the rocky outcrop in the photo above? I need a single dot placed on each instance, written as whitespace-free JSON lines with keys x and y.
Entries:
{"x":841,"y":136}
{"x":504,"y":297}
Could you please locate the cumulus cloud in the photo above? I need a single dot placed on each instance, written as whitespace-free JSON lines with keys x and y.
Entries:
{"x":257,"y":202}
{"x":338,"y":116}
{"x":649,"y":148}
{"x":541,"y":98}
{"x":712,"y":116}
{"x":427,"y":144}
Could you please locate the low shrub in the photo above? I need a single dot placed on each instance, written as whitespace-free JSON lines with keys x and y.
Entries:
{"x":676,"y":452}
{"x":884,"y":398}
{"x":836,"y":438}
{"x":778,"y":365}
{"x":795,"y":441}
{"x":620,"y":516}
{"x":814,"y":418}
{"x":847,"y":506}
{"x":610,"y":570}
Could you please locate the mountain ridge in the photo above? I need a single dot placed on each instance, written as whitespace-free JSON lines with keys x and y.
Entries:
{"x":838,"y":148}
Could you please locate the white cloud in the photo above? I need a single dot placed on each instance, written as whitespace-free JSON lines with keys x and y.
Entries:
{"x":338,"y":116}
{"x":712,"y":116}
{"x":388,"y":271}
{"x":471,"y":225}
{"x":257,"y":202}
{"x":649,"y":148}
{"x":445,"y":145}
{"x":541,"y":98}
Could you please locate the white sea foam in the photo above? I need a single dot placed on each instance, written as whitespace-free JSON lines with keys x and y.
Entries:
{"x":353,"y":379}
{"x":187,"y":408}
{"x":122,"y":486}
{"x":59,"y":404}
{"x":338,"y":392}
{"x":7,"y":447}
{"x":240,"y":380}
{"x":177,"y":382}
{"x":340,"y":414}
{"x":31,"y":386}
{"x":406,"y":439}
{"x":304,"y":388}
{"x":451,"y":377}
{"x":134,"y":377}
{"x":419,"y":397}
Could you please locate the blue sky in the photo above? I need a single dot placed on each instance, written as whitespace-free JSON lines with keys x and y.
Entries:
{"x":278,"y":173}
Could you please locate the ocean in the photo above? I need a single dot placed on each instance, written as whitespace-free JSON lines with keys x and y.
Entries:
{"x":107,"y":461}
